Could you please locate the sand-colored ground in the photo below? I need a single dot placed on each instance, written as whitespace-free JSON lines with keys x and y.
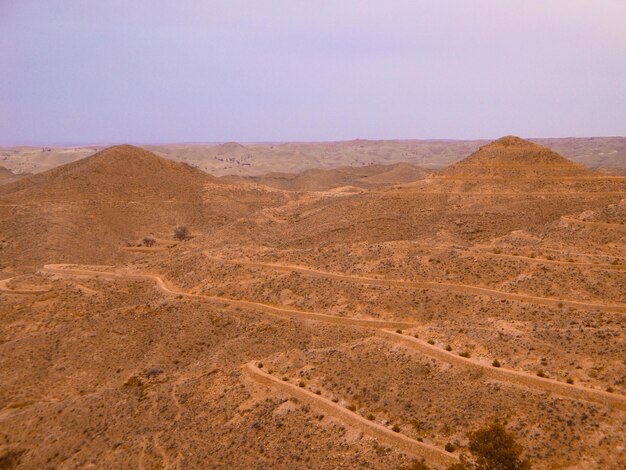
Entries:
{"x":348,"y":318}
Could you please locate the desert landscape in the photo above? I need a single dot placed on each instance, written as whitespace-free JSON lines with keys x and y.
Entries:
{"x":279,"y":162}
{"x":282,"y":235}
{"x":369,"y":315}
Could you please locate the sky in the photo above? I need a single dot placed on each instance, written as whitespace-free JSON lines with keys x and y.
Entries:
{"x":156,"y":71}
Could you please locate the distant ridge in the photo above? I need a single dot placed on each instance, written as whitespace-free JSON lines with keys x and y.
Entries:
{"x":119,"y":172}
{"x":511,"y":156}
{"x":367,"y":176}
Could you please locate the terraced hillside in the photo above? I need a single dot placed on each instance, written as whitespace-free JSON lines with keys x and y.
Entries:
{"x":318,"y":328}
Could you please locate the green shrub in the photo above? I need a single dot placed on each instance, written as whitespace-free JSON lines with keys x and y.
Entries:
{"x":492,"y":447}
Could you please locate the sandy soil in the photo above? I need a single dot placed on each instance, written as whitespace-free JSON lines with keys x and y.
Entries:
{"x":328,"y":319}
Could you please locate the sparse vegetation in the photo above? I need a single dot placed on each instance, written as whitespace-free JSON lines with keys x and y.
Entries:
{"x":181,"y":233}
{"x":147,"y":241}
{"x":493,"y":448}
{"x":541,"y":373}
{"x":264,"y":282}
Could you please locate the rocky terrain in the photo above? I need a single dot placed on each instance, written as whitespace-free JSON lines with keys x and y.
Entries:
{"x":360,"y":317}
{"x":282,"y":159}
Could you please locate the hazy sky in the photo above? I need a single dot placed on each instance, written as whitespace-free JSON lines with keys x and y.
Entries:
{"x":86,"y":71}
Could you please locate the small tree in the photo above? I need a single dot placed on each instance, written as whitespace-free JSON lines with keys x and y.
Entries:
{"x":493,"y":448}
{"x":181,"y":233}
{"x":148,"y":241}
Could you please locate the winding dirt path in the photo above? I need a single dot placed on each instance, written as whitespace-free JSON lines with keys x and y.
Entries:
{"x":619,"y":308}
{"x":433,"y":455}
{"x":268,"y":308}
{"x":538,"y":260}
{"x":576,"y":392}
{"x":4,"y":288}
{"x":571,"y":220}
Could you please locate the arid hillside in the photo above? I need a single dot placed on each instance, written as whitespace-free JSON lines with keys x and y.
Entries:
{"x":361,"y":317}
{"x":254,"y":159}
{"x":88,"y":209}
{"x":369,"y":176}
{"x":501,"y":188}
{"x":7,"y":176}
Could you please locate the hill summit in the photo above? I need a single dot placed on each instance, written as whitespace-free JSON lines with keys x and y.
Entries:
{"x":122,"y":172}
{"x":512,"y":157}
{"x":513,"y":165}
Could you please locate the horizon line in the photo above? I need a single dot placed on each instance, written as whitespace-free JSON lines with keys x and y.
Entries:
{"x":283,"y":142}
